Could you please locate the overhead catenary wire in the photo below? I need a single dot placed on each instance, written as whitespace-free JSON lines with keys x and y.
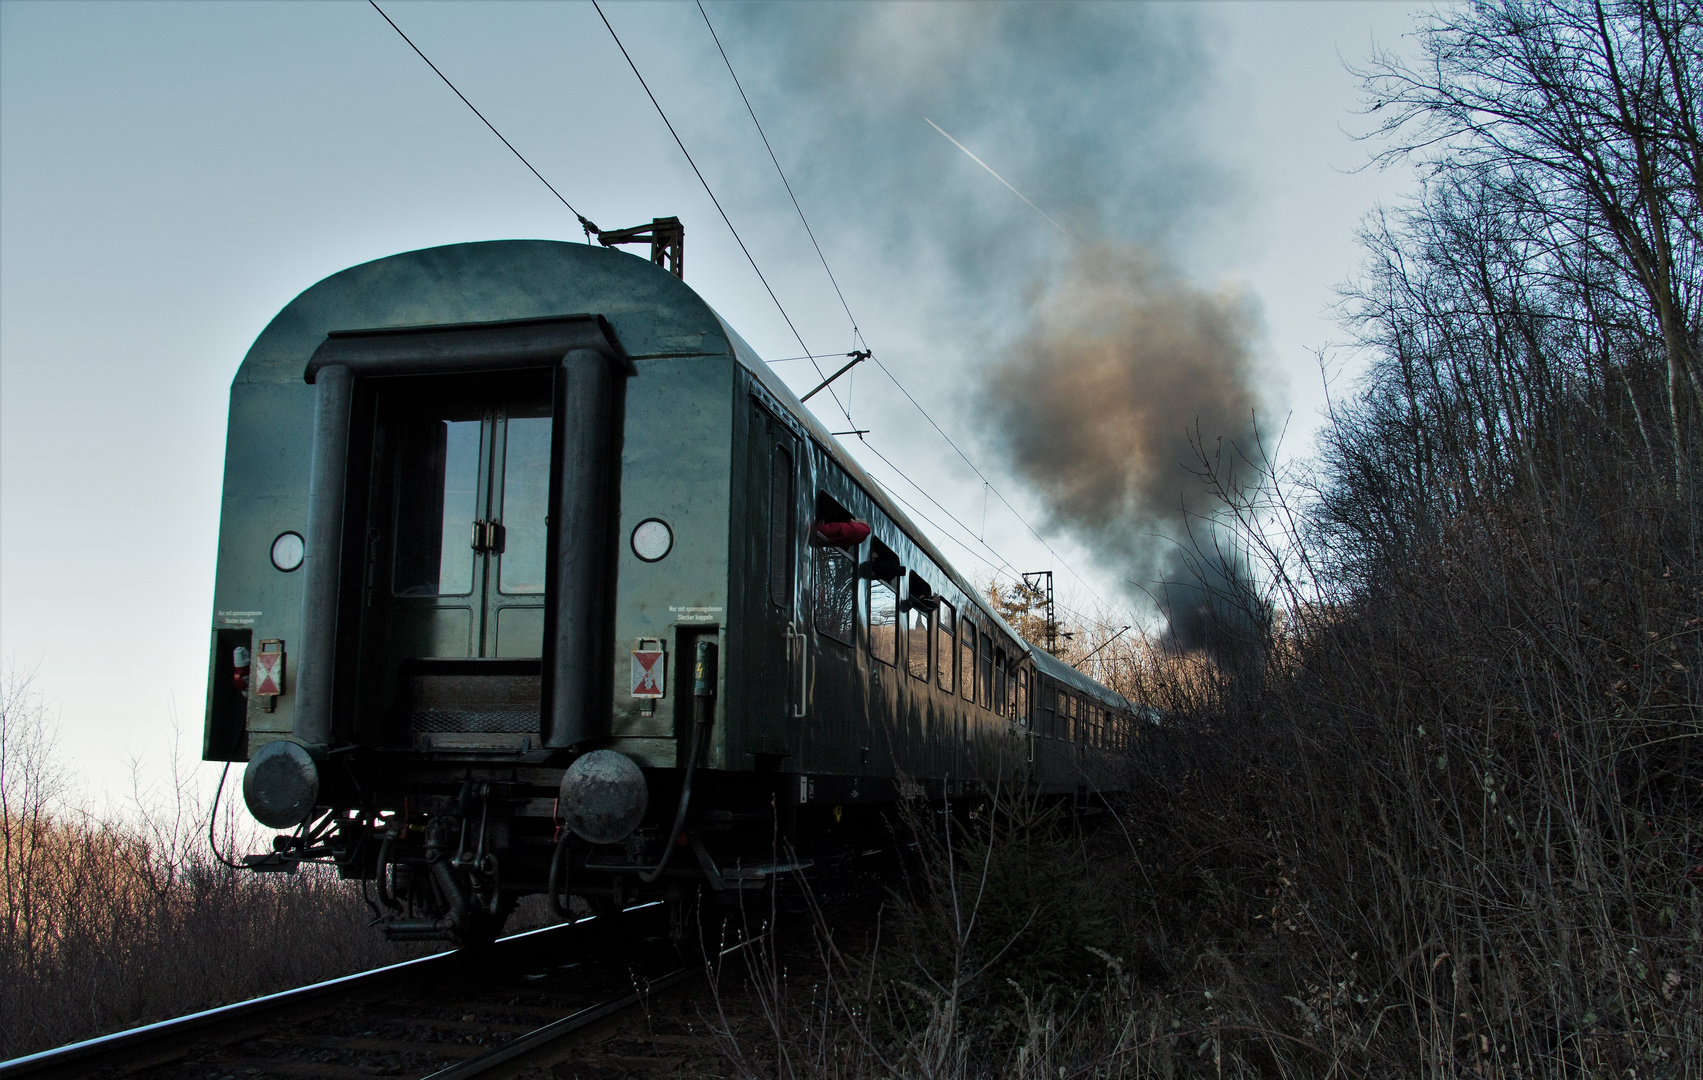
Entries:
{"x":856,"y":332}
{"x":924,"y":493}
{"x":725,"y":219}
{"x":584,"y":223}
{"x":590,"y":227}
{"x":764,"y":136}
{"x":1002,"y":568}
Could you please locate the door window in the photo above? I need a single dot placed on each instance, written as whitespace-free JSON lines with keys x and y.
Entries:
{"x":437,"y":502}
{"x":466,"y":470}
{"x":525,"y":502}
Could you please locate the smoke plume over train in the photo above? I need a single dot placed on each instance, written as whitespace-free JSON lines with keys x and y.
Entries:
{"x":1123,"y":378}
{"x":1093,"y":112}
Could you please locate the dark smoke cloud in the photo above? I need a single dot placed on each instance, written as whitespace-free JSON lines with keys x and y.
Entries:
{"x":1084,"y":367}
{"x":1124,"y":375}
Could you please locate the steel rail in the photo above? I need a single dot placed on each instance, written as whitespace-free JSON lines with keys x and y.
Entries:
{"x":165,"y":1040}
{"x":536,"y":1040}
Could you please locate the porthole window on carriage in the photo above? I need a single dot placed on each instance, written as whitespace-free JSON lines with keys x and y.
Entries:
{"x":945,"y":645}
{"x":437,"y":502}
{"x":919,"y":607}
{"x":883,"y":622}
{"x":836,"y":595}
{"x":967,"y":661}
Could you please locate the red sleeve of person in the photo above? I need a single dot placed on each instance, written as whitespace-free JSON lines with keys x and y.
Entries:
{"x":842,"y":533}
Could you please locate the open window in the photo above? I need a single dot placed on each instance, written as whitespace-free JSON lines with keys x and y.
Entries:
{"x":835,"y":527}
{"x":945,"y":645}
{"x":920,"y":606}
{"x":835,"y":577}
{"x":883,"y":570}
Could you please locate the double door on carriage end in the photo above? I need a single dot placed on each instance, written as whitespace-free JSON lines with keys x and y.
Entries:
{"x":462,"y":560}
{"x":454,"y":582}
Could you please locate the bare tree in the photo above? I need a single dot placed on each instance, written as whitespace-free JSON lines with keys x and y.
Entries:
{"x":1578,"y":123}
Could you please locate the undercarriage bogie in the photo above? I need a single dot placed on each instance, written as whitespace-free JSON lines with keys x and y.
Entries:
{"x":452,"y":866}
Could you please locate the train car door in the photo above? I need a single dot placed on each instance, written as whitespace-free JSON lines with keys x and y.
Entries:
{"x":456,"y":551}
{"x":470,"y":482}
{"x":775,"y":639}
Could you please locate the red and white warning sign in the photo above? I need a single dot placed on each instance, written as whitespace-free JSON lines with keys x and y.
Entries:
{"x":649,"y":670}
{"x":268,"y":675}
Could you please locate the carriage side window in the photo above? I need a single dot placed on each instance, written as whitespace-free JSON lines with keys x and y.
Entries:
{"x":919,"y":633}
{"x":836,"y":595}
{"x":437,"y":501}
{"x":780,"y":527}
{"x":967,"y":661}
{"x":945,"y":645}
{"x":883,"y":622}
{"x":1045,"y":704}
{"x":1023,"y":697}
{"x":999,"y":663}
{"x":986,"y":693}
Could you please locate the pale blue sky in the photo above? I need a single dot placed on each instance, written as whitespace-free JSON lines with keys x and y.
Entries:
{"x":172,"y":174}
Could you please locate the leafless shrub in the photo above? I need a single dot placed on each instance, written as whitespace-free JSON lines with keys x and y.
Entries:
{"x":110,"y":921}
{"x":1444,"y":818}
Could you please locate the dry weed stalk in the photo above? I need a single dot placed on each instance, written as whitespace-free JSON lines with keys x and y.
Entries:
{"x":107,"y":921}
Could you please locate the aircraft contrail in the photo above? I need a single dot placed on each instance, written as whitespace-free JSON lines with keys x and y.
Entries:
{"x":1001,"y":179}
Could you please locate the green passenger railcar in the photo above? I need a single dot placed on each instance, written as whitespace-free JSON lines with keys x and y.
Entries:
{"x":532,"y":577}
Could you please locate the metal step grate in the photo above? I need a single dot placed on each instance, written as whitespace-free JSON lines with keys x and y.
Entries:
{"x":499,"y":720}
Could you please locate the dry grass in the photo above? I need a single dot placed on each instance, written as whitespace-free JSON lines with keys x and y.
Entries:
{"x":1432,"y":803}
{"x":108,"y":921}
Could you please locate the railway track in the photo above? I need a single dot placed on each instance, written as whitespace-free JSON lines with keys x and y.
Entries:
{"x":584,"y":1001}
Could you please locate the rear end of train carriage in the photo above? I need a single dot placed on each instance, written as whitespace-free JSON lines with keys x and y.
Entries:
{"x":520,"y":589}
